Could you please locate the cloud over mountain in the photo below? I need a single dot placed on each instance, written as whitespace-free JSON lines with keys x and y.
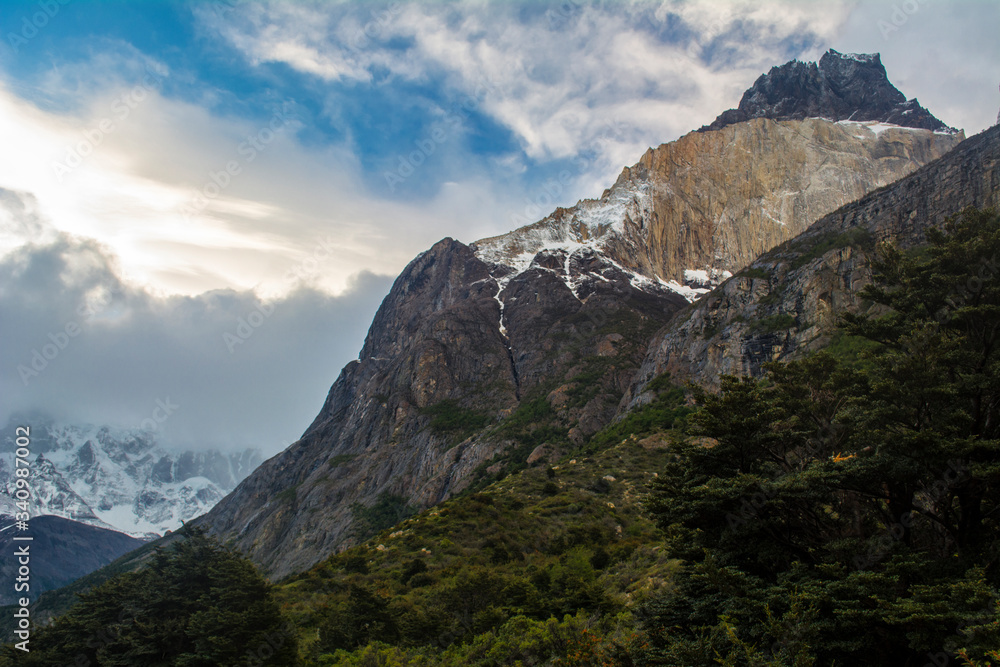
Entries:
{"x":82,"y":344}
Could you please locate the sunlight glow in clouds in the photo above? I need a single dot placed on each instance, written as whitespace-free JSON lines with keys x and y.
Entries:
{"x":128,"y":192}
{"x":539,"y":90}
{"x":104,"y":197}
{"x":586,"y":84}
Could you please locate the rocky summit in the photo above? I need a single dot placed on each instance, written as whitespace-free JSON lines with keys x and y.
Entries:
{"x":851,"y":87}
{"x":489,"y":355}
{"x":692,"y":212}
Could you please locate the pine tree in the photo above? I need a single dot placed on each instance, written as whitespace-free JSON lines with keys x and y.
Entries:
{"x":839,"y":511}
{"x":195,"y":604}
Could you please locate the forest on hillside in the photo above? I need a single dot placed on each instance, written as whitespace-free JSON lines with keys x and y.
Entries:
{"x":841,"y":509}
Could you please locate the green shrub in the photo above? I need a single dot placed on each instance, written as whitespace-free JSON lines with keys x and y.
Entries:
{"x":387,"y":511}
{"x":857,"y":237}
{"x":288,"y":495}
{"x":668,"y":410}
{"x":448,"y":418}
{"x":755,"y":273}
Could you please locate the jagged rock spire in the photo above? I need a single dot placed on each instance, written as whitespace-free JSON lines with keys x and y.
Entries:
{"x":842,"y":86}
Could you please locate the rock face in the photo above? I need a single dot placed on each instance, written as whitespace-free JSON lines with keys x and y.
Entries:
{"x":493,"y":349}
{"x":451,"y":335}
{"x":841,"y":87}
{"x":711,"y":202}
{"x":786,"y":303}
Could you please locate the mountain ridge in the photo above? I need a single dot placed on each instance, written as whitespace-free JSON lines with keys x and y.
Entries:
{"x":841,"y":86}
{"x":121,"y":479}
{"x":488,"y":357}
{"x":676,"y":217}
{"x":806,"y":282}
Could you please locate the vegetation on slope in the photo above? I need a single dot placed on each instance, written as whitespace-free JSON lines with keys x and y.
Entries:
{"x":195,"y":604}
{"x":844,"y":509}
{"x":549,"y":562}
{"x":593,"y":385}
{"x":849,"y":511}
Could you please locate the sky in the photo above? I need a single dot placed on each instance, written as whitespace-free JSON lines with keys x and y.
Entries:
{"x":202,"y":204}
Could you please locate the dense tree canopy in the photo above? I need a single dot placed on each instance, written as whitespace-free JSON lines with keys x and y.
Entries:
{"x":847,"y":509}
{"x":196,"y":604}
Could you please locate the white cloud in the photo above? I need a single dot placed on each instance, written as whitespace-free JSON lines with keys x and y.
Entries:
{"x":85,"y":346}
{"x":560,"y":80}
{"x":944,"y":53}
{"x":137,"y":190}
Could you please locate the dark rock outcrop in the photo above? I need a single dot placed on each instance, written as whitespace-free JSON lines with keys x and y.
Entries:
{"x":840,"y":87}
{"x":438,"y":340}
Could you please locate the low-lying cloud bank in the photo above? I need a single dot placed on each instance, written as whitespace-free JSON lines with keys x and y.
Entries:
{"x":221,"y":369}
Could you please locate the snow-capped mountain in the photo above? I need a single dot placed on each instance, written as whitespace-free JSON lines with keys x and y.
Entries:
{"x":549,"y":322}
{"x":121,"y":479}
{"x":693,"y":212}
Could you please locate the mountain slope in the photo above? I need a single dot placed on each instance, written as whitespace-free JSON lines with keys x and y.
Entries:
{"x":439,"y":381}
{"x":61,"y":551}
{"x":516,"y":348}
{"x":787,"y":301}
{"x":696,"y":209}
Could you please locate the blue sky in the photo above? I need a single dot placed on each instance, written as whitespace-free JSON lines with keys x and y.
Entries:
{"x":192,"y":157}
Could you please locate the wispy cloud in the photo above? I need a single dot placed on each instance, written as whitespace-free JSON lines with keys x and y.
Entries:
{"x":136,"y":176}
{"x":558,"y":75}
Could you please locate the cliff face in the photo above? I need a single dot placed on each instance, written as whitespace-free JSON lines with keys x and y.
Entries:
{"x":438,"y":348}
{"x":787,"y":302}
{"x":725,"y":197}
{"x":711,"y":202}
{"x":487,"y":356}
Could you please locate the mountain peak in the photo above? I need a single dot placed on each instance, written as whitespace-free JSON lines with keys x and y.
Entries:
{"x":842,"y":86}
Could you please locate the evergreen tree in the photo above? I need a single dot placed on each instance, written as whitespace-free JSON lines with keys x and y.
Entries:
{"x":196,"y":604}
{"x":850,"y":512}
